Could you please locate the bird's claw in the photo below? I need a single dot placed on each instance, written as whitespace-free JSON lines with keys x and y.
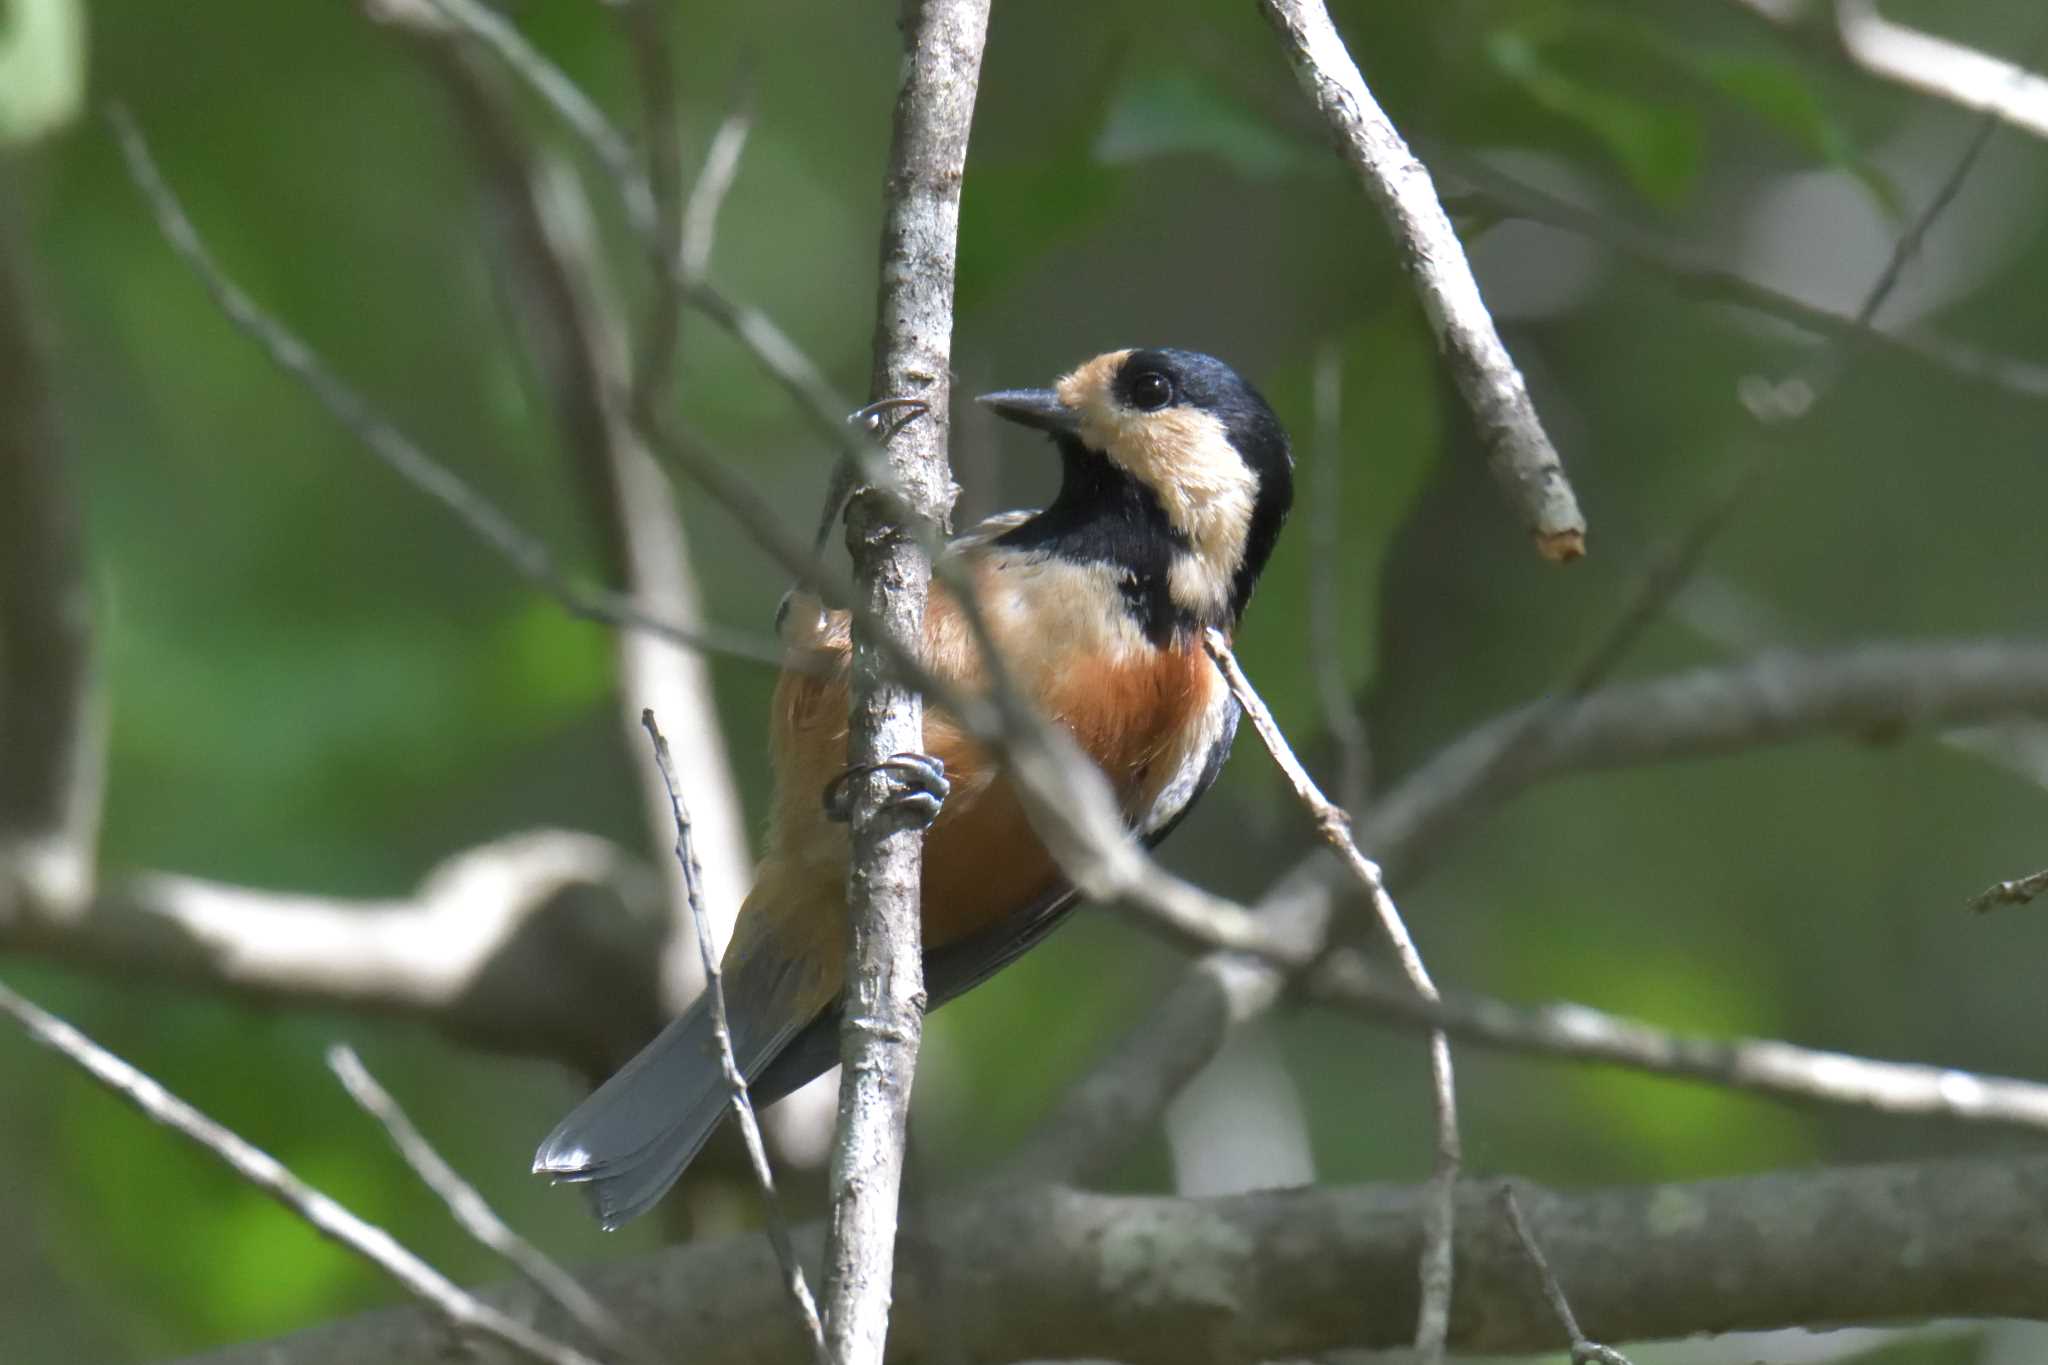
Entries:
{"x":917,"y":788}
{"x":884,"y":417}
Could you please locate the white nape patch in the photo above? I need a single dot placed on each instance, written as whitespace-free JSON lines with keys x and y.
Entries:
{"x":1186,"y":458}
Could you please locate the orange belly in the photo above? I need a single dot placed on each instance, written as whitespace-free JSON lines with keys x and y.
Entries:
{"x":1134,"y":716}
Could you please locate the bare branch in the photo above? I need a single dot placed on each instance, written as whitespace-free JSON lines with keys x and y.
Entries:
{"x":1768,"y":1067}
{"x":544,"y":943}
{"x":742,"y":1105}
{"x":463,"y":1312}
{"x":1855,"y":32}
{"x":1059,"y":1274}
{"x":471,"y":1209}
{"x":51,"y":748}
{"x":2018,"y":891}
{"x":1776,"y":698}
{"x":884,"y":995}
{"x":478,"y":514}
{"x":1433,"y":1319}
{"x":1523,"y":459}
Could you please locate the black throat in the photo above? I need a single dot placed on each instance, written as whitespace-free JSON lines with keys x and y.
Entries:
{"x":1104,"y":516}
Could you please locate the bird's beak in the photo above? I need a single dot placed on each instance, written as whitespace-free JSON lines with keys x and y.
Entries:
{"x":1040,"y":408}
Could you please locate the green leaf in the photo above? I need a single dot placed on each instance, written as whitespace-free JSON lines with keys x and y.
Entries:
{"x":42,"y":66}
{"x":1779,"y":94}
{"x":1177,"y":113}
{"x":1658,"y":146}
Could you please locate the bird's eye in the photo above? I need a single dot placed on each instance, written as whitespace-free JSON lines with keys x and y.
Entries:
{"x":1151,"y":391}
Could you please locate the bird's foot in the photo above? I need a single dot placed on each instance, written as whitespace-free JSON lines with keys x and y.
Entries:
{"x":884,"y":417}
{"x":917,"y":788}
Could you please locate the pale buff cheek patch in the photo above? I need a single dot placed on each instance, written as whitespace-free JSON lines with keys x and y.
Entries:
{"x":1185,"y":456}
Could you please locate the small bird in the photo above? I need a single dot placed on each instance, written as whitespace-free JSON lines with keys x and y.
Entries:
{"x":1175,"y":481}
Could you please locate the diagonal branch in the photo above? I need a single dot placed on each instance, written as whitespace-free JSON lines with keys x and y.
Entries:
{"x":1878,"y":691}
{"x":1334,"y":825}
{"x":471,"y":1209}
{"x":478,"y":514}
{"x":1856,"y":33}
{"x":466,"y":1314}
{"x":1523,"y":459}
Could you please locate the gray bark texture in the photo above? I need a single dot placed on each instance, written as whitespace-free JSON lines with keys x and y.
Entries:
{"x":1041,"y":1272}
{"x":884,"y":996}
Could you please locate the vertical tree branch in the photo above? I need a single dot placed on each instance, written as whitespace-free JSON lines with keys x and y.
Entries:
{"x":884,"y":994}
{"x":49,"y":748}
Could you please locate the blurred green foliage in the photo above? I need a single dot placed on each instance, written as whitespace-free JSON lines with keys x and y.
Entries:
{"x":315,"y":682}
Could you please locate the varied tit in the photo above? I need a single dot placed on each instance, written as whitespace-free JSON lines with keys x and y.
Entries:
{"x":1175,"y":480}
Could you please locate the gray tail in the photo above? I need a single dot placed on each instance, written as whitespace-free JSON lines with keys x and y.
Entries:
{"x":630,"y":1140}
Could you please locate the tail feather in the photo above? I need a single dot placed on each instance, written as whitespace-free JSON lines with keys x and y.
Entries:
{"x":631,"y":1139}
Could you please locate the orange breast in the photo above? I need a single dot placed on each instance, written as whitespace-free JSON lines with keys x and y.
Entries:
{"x":1133,"y":713}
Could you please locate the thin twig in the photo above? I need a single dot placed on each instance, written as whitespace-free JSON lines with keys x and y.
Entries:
{"x":1434,"y":1318}
{"x":735,"y":1081}
{"x":467,"y":1315}
{"x":1342,"y":718}
{"x":1519,"y":450}
{"x":1695,"y":275}
{"x":613,"y":152}
{"x":472,"y":1210}
{"x":2018,"y":891}
{"x":1584,"y":1352}
{"x":483,"y":518}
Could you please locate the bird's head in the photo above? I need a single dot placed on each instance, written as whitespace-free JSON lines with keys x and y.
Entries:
{"x":1168,"y":445}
